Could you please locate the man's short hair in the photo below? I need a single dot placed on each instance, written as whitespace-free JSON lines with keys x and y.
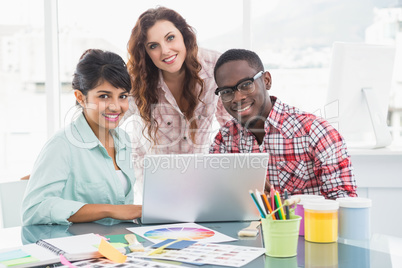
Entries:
{"x":239,"y":54}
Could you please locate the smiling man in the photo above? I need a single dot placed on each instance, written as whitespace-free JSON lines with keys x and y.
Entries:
{"x":307,"y":155}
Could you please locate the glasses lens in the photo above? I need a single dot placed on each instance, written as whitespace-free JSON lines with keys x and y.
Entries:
{"x":246,"y":87}
{"x":226,"y":95}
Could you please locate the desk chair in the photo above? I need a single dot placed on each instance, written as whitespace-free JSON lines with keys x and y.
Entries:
{"x":11,"y":194}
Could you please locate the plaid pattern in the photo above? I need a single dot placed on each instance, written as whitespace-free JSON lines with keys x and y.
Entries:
{"x":307,"y":155}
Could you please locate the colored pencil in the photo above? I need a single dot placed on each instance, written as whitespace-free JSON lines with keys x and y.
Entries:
{"x":273,"y":205}
{"x":258,"y":205}
{"x":280,"y":205}
{"x":267,"y":205}
{"x":286,"y":206}
{"x":260,"y":202}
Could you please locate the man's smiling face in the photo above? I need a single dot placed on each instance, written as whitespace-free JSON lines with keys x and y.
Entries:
{"x":249,"y":109}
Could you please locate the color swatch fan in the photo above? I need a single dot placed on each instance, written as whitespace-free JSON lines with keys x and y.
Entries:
{"x":179,"y":233}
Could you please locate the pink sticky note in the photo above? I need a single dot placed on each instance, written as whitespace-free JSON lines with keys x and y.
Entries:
{"x":65,"y":262}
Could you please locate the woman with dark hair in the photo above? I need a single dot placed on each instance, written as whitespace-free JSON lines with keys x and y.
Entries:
{"x":84,"y":172}
{"x":172,"y":87}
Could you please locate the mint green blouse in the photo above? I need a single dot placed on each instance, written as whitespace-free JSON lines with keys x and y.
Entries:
{"x":74,"y":169}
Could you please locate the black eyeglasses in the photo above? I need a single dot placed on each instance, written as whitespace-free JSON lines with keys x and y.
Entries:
{"x":245,"y":86}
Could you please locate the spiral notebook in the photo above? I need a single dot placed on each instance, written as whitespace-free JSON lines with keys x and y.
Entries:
{"x":47,"y":251}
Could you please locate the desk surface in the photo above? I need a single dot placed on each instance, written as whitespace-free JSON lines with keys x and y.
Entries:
{"x":390,"y":150}
{"x":381,"y":251}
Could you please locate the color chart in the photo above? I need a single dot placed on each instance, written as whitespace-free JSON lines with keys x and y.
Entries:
{"x":179,"y":233}
{"x":185,"y":231}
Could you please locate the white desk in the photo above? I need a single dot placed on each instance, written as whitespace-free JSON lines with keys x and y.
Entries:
{"x":381,"y":251}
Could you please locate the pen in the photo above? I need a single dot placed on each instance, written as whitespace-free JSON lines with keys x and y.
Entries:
{"x":286,"y":206}
{"x":268,"y":206}
{"x":256,"y":203}
{"x":280,"y":205}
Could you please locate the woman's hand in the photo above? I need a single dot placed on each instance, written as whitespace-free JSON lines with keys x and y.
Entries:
{"x":126,"y":212}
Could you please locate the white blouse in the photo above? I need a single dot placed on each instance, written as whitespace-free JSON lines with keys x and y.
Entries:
{"x":123,"y":180}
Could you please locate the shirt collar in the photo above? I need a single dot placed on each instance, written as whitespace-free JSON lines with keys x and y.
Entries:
{"x":121,"y":139}
{"x":282,"y":119}
{"x":275,"y":115}
{"x":85,"y":132}
{"x":276,"y":119}
{"x":161,"y":84}
{"x":204,"y":72}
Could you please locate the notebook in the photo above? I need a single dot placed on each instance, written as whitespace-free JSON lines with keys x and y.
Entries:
{"x":202,"y":187}
{"x":47,"y":251}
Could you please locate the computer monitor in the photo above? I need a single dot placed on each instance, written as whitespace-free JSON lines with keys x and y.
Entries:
{"x":359,"y":93}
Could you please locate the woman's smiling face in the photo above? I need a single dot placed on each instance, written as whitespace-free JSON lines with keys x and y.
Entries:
{"x":103,"y":106}
{"x":165,"y":46}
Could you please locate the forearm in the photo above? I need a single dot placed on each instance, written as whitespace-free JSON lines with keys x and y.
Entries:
{"x":91,"y":212}
{"x":338,"y":180}
{"x":340,"y":191}
{"x":94,"y":212}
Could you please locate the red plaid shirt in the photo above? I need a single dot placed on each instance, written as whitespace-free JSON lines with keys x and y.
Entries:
{"x":306,"y":154}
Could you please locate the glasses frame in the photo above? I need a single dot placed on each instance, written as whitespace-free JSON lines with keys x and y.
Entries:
{"x":236,"y":87}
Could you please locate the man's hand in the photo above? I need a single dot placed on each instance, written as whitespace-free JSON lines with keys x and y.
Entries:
{"x":267,"y":189}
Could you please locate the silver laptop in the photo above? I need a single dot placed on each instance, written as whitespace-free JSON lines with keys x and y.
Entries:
{"x":202,"y":187}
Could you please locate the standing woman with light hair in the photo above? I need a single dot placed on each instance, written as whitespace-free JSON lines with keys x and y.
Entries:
{"x":173,"y":100}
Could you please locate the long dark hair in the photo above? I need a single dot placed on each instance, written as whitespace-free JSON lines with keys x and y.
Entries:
{"x":145,"y":74}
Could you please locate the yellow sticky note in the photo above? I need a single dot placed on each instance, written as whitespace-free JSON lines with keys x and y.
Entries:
{"x":111,"y":252}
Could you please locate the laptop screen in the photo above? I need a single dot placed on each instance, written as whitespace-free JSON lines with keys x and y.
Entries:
{"x":202,"y":187}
